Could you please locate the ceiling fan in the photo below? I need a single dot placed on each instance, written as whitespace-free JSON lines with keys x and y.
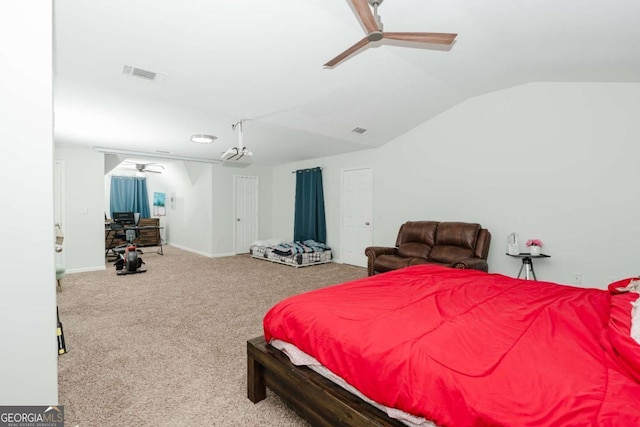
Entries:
{"x":373,"y":25}
{"x":143,"y":167}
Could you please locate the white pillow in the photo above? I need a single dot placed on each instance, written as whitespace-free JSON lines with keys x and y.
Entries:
{"x":275,"y":241}
{"x":268,"y":242}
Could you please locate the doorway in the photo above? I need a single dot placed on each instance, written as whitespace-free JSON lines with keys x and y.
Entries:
{"x":246,"y":212}
{"x":357,"y":208}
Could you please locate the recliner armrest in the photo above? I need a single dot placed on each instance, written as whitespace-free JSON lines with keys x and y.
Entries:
{"x":380,"y":250}
{"x":472,"y":263}
{"x":374,"y":251}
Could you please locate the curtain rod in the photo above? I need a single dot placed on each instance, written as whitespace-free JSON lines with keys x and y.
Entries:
{"x":317,"y":167}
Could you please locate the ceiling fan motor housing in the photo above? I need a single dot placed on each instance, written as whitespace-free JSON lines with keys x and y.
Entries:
{"x":375,"y":36}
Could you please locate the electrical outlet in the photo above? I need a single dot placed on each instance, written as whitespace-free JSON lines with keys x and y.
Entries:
{"x":577,"y":278}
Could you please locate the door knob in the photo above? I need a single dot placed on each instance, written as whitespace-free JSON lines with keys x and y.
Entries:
{"x":366,"y":223}
{"x":237,"y":219}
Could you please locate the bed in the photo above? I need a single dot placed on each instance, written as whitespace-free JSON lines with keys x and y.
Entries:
{"x":455,"y":348}
{"x":295,"y":254}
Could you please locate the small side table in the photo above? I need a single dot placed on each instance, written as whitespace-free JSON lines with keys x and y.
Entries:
{"x":527,"y":264}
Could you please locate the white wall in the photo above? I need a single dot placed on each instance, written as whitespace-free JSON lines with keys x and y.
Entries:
{"x":28,"y":360}
{"x":552,"y":161}
{"x":189,"y":223}
{"x":83,"y":224}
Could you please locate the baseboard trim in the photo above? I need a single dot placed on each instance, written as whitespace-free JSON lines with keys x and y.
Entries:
{"x":193,"y":251}
{"x":197,"y":252}
{"x":224,"y":255}
{"x":84,"y":269}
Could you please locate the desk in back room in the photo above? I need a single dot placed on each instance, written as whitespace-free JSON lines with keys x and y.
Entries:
{"x":149,"y":235}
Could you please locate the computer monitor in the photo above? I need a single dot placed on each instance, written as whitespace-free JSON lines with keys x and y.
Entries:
{"x":124,"y":218}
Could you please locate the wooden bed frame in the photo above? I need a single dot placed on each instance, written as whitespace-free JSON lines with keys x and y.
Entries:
{"x":312,"y":396}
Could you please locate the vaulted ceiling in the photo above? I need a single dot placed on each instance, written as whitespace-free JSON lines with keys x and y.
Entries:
{"x":221,"y":61}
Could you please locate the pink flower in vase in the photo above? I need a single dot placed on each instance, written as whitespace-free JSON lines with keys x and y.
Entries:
{"x":535,"y":246}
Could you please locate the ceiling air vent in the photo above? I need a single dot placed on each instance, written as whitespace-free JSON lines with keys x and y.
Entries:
{"x":359,"y":130}
{"x":139,"y":72}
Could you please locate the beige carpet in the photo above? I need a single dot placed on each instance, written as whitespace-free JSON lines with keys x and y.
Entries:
{"x":168,"y":347}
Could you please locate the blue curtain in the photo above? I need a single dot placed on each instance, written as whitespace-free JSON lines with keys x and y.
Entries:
{"x":129,"y":194}
{"x":309,"y":221}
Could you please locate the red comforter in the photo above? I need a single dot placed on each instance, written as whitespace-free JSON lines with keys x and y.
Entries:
{"x":467,"y":348}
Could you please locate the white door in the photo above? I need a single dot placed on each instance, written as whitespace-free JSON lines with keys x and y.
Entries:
{"x":58,"y":203}
{"x":357,"y":207}
{"x":246,"y":212}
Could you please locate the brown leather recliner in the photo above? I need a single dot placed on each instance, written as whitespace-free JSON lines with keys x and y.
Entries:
{"x":452,"y":244}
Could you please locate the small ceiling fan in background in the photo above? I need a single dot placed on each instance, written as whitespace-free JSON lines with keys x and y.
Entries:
{"x":373,"y":25}
{"x":144,"y":167}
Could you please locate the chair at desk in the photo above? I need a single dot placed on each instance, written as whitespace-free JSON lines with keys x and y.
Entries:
{"x":119,"y":226}
{"x":128,"y":235}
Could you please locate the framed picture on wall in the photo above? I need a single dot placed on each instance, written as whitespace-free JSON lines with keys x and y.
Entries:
{"x":159,"y":204}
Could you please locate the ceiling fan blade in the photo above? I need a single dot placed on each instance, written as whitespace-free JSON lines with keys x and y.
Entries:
{"x":365,"y":14}
{"x":149,"y":170}
{"x":437,"y":38}
{"x":353,"y":49}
